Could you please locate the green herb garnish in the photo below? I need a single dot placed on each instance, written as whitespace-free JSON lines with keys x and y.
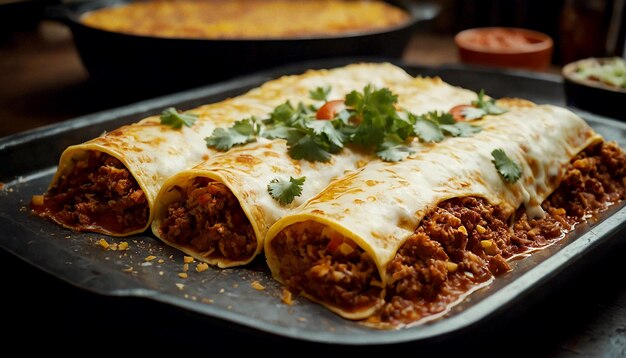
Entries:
{"x":320,"y":93}
{"x":242,"y":132}
{"x":393,"y":149}
{"x":176,"y":120}
{"x":508,"y":169}
{"x":482,"y":107}
{"x":285,"y":191}
{"x":370,"y":121}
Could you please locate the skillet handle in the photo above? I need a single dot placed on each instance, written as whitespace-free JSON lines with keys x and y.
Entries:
{"x":422,"y":11}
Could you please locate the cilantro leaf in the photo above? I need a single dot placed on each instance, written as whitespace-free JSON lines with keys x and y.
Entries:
{"x":307,"y":147}
{"x":508,"y":169}
{"x":488,"y":106}
{"x":451,"y":129}
{"x":344,"y":116}
{"x":172,"y":118}
{"x":460,"y":129}
{"x":393,"y":149}
{"x":402,"y":124}
{"x":377,"y":102}
{"x":440,"y":117}
{"x":427,"y":130}
{"x":246,"y":126}
{"x":285,"y":191}
{"x":282,"y":113}
{"x":492,"y":108}
{"x":328,"y":129}
{"x":467,"y":130}
{"x":368,"y":134}
{"x":278,"y":131}
{"x":471,"y":113}
{"x":377,"y":113}
{"x":320,"y":93}
{"x":242,"y":132}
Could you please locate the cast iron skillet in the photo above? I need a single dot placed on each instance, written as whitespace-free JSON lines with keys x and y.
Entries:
{"x":154,"y":64}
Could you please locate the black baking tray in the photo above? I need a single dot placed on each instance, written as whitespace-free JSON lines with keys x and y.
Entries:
{"x":226,"y":296}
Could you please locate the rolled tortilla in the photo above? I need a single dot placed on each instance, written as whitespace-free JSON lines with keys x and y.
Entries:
{"x":338,"y":248}
{"x":109,"y":184}
{"x":227,"y":226}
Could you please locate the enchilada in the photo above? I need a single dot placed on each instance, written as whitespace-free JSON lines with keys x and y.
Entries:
{"x":109,"y":184}
{"x":400,"y":242}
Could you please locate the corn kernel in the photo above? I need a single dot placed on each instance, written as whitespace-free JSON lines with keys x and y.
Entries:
{"x":187,"y":259}
{"x":489,"y":246}
{"x":346,"y":249}
{"x":451,"y":266}
{"x":462,"y":229}
{"x":104,"y":244}
{"x":480,"y":229}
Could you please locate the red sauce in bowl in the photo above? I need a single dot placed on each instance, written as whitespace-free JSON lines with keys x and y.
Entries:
{"x":506,"y":47}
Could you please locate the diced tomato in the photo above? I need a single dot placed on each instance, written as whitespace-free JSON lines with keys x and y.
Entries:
{"x":204,"y":198}
{"x":457,"y":112}
{"x":334,"y":243}
{"x":330,"y":109}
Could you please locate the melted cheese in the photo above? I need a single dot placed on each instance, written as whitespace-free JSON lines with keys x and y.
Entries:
{"x":380,"y":205}
{"x":153,"y":152}
{"x":246,"y":171}
{"x":247,"y":19}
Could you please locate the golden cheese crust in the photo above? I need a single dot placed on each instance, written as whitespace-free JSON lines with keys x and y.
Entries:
{"x":247,"y":19}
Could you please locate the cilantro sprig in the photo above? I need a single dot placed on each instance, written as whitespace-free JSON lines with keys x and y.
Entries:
{"x":320,"y":93}
{"x":307,"y":138}
{"x":242,"y":132}
{"x":285,"y":191}
{"x":371,"y":121}
{"x":482,"y":107}
{"x":176,"y":120}
{"x":508,"y":169}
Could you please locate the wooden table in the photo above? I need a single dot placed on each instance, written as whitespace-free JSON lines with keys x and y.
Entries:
{"x":42,"y":81}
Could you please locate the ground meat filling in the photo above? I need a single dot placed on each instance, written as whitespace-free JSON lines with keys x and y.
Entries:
{"x":99,"y":192}
{"x":209,"y":220}
{"x":466,"y":241}
{"x":331,"y":268}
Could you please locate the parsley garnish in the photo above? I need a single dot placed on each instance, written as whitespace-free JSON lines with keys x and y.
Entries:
{"x":320,"y":93}
{"x":482,"y":107}
{"x":242,"y":132}
{"x":508,"y":169}
{"x":371,"y":121}
{"x":176,"y":120}
{"x":285,"y":191}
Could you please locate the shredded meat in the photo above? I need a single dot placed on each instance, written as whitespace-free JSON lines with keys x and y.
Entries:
{"x":209,"y":219}
{"x":459,"y":246}
{"x":465,"y":241}
{"x":99,"y":193}
{"x":327,"y":266}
